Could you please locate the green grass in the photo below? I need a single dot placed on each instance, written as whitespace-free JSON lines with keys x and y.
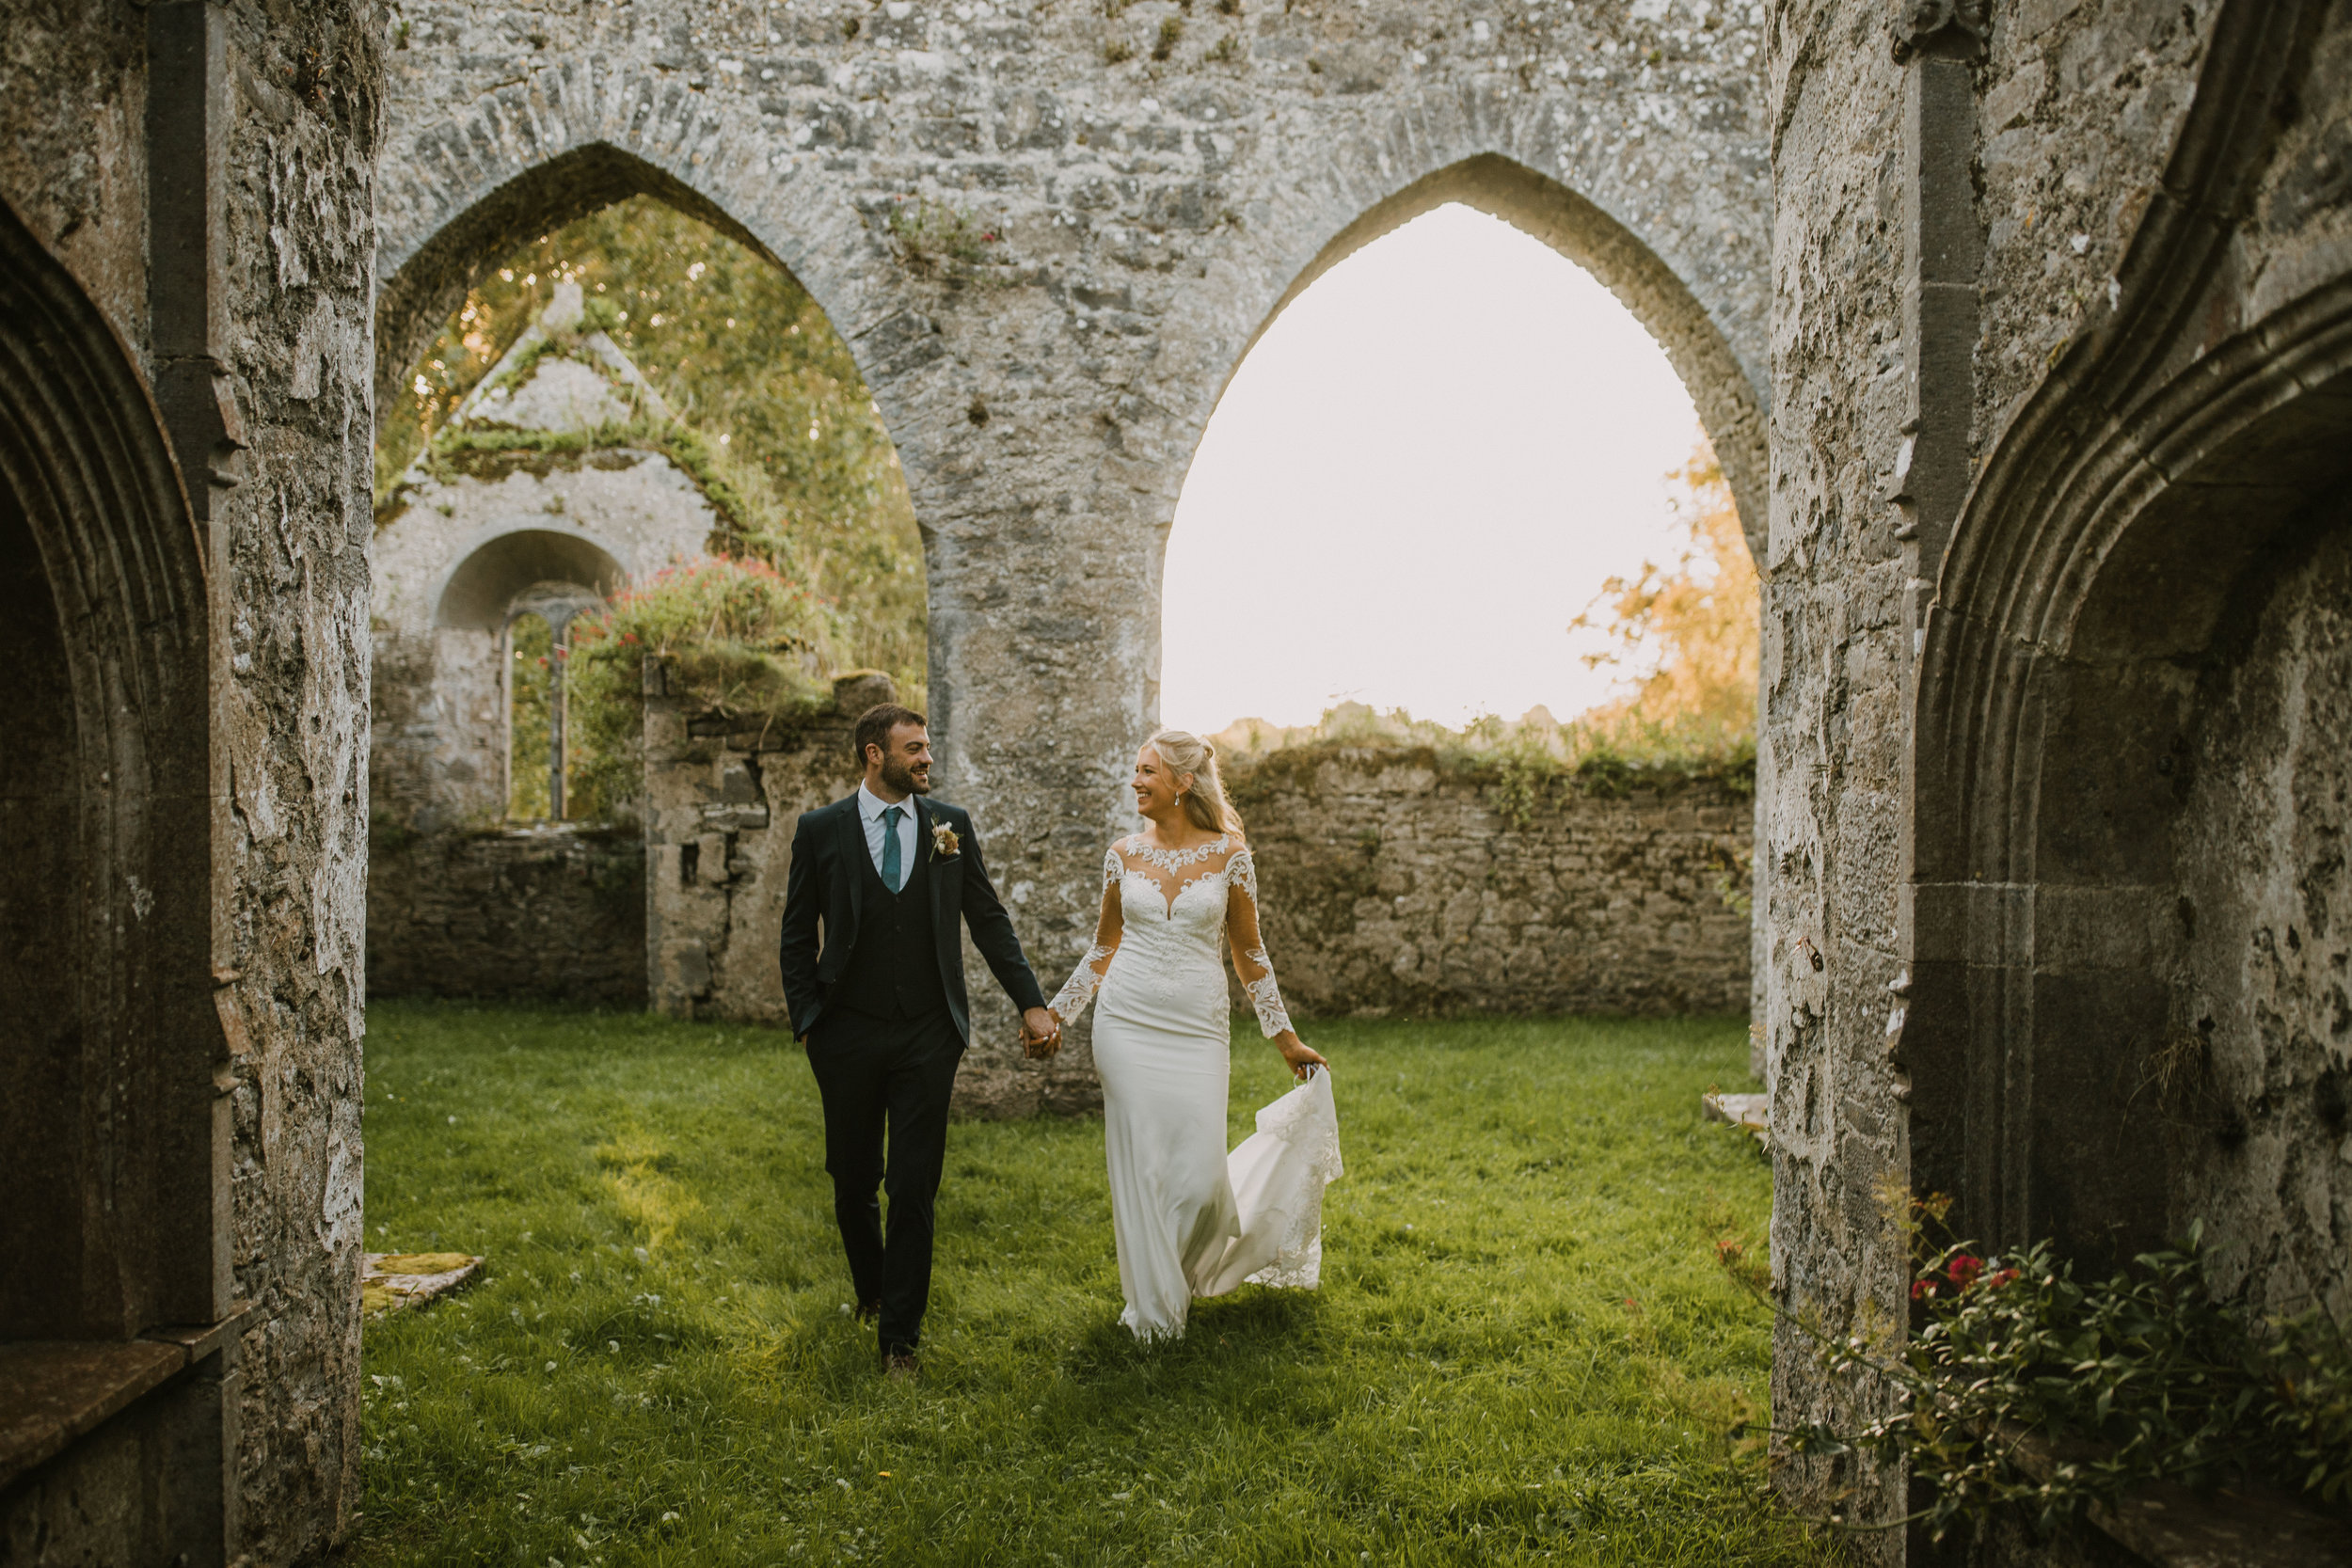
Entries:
{"x":1525,"y":1348}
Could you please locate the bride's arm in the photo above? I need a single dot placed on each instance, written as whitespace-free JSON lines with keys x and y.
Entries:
{"x":1087,"y":977}
{"x":1255,"y":969}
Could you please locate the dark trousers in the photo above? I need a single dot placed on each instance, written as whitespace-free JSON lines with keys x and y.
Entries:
{"x":895,"y":1074}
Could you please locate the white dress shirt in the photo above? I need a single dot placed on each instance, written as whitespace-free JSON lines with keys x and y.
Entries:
{"x":870,"y":807}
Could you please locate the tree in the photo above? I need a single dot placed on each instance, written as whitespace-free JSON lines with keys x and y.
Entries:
{"x":1686,"y":633}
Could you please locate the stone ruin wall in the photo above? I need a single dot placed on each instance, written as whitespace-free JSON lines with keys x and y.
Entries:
{"x":722,"y":797}
{"x":291,"y":544}
{"x":286,"y":559}
{"x":2079,"y":106}
{"x":1883,"y":991}
{"x":1393,"y":884}
{"x":552,"y":914}
{"x":461,"y":901}
{"x":438,"y":759}
{"x":1150,"y":217}
{"x":2269,"y":988}
{"x":1397,"y":882}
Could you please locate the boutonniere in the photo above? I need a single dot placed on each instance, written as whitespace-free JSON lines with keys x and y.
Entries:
{"x":943,"y":842}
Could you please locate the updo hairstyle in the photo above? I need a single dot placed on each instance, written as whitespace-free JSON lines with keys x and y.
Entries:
{"x":1204,"y":802}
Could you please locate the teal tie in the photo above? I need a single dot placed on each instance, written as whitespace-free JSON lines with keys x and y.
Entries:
{"x":892,"y":871}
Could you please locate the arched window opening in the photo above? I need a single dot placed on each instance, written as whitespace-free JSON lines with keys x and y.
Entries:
{"x":763,"y":404}
{"x":1454,"y":541}
{"x":629,"y":415}
{"x":1496,"y":485}
{"x":543,"y":754}
{"x":534,"y":721}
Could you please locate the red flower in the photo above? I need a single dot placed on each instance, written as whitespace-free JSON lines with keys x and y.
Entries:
{"x":1922,"y":1288}
{"x":2001,"y":1278}
{"x":1964,"y":1268}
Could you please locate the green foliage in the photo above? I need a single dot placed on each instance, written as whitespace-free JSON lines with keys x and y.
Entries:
{"x":773,"y":418}
{"x":736,"y":493}
{"x":1528,"y":767}
{"x":2027,"y":1388}
{"x":1171,"y":34}
{"x":739,"y":637}
{"x":1522,"y":1349}
{"x":534,"y":667}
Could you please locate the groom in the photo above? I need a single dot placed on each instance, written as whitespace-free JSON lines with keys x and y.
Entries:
{"x":882,"y":1007}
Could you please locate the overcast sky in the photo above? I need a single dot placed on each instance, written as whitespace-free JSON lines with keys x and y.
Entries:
{"x":1419,"y":476}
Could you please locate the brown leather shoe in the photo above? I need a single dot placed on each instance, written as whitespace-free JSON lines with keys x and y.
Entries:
{"x":902,"y":1367}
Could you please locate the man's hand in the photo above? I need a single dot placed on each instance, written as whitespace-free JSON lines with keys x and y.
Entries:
{"x":1040,"y":1033}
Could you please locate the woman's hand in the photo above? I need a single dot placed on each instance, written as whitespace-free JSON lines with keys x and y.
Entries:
{"x":1040,"y":1033}
{"x":1297,"y":1052}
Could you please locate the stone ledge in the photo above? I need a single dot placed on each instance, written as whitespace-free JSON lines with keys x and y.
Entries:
{"x":2173,"y":1527}
{"x":1750,"y":1113}
{"x":2170,"y":1525}
{"x":53,"y":1391}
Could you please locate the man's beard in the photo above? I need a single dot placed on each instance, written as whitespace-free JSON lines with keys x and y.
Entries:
{"x":898,"y":776}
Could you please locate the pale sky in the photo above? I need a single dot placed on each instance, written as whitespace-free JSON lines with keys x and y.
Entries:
{"x":1420,"y":475}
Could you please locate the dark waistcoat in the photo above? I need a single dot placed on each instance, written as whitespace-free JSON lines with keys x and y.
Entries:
{"x":894,"y":969}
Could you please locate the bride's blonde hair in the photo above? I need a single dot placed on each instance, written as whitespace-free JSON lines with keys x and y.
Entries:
{"x":1204,"y":802}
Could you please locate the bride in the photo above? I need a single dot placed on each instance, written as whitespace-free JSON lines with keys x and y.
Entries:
{"x":1190,"y":1220}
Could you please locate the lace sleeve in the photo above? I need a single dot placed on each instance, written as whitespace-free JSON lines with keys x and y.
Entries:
{"x":1249,"y":956}
{"x":1069,"y":1003}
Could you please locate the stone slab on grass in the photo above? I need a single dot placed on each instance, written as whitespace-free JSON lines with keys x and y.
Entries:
{"x":1750,"y":1113}
{"x":398,"y":1280}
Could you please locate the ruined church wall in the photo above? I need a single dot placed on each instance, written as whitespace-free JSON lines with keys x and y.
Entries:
{"x":2263,"y":1042}
{"x":552,"y":914}
{"x":1148,"y":217}
{"x":1829,"y":729}
{"x":73,"y":148}
{"x":2077,"y":105}
{"x":1974,"y":926}
{"x":287,"y":569}
{"x":1395,"y":882}
{"x":291,"y":740}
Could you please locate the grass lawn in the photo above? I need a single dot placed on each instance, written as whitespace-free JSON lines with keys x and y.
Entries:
{"x":1524,"y":1349}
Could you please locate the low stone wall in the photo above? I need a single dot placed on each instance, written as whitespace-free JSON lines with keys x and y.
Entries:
{"x":524,"y":913}
{"x":1396,"y":881}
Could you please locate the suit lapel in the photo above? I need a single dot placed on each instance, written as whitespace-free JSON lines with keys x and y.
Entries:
{"x":923,"y":853}
{"x":854,"y":844}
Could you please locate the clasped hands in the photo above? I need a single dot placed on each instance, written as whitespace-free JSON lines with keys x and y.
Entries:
{"x":1040,"y":1033}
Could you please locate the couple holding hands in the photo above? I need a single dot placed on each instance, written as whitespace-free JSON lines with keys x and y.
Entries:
{"x":873,"y":977}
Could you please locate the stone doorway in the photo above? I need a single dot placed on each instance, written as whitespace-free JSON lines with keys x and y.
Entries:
{"x":117,"y":1329}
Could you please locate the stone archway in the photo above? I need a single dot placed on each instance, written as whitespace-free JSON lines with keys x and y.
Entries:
{"x":2130,"y":841}
{"x":115,"y":1141}
{"x":2126,"y":827}
{"x":1725,"y":389}
{"x":1131,"y":230}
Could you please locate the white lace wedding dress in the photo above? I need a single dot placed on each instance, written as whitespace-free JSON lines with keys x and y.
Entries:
{"x":1190,"y":1220}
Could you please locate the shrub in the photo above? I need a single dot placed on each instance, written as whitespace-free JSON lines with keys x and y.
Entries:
{"x":738,"y":636}
{"x":2024,"y":1386}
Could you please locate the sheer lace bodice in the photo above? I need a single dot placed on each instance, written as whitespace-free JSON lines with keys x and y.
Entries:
{"x":1165,"y":913}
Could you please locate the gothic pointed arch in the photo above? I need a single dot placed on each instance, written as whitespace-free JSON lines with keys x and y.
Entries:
{"x":2126,"y":633}
{"x":1723,"y":388}
{"x":106,"y":1100}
